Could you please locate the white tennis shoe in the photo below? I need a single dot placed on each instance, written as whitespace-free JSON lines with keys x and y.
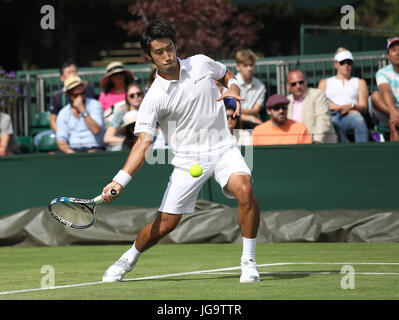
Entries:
{"x":118,"y":270}
{"x":249,"y":271}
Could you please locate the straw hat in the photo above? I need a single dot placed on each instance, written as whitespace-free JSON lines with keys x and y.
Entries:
{"x":72,"y":82}
{"x":112,"y":68}
{"x":128,"y":118}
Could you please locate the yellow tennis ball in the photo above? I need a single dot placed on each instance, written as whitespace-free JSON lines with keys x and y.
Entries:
{"x":195,"y":170}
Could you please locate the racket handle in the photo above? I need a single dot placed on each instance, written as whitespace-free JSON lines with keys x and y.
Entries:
{"x":99,"y":199}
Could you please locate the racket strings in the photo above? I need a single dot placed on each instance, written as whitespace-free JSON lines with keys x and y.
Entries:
{"x":78,"y":214}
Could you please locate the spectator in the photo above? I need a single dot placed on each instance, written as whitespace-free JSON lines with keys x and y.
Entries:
{"x":127,"y":129}
{"x":114,"y":84}
{"x":347,"y":97}
{"x":252,"y":89}
{"x":385,"y":102}
{"x":134,"y":97}
{"x":8,"y":142}
{"x":243,"y":137}
{"x":279,"y":129}
{"x":310,"y":106}
{"x":60,"y":100}
{"x":80,"y":124}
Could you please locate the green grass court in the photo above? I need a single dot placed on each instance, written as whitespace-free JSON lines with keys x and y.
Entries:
{"x":304,"y":271}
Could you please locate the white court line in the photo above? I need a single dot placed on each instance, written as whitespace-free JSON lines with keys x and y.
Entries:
{"x":304,"y":272}
{"x":205,"y":272}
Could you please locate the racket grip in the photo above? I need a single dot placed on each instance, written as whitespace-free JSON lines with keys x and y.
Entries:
{"x":99,"y":199}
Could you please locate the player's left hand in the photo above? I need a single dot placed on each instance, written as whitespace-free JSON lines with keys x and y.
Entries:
{"x":233,"y":93}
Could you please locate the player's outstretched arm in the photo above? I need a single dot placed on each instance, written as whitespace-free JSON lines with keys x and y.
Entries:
{"x":232,"y":91}
{"x":133,"y":163}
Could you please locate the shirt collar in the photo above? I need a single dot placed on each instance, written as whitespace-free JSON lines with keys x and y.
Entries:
{"x":300,"y":100}
{"x":165,"y":84}
{"x":241,"y":81}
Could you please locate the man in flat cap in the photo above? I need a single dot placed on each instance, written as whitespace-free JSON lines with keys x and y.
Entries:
{"x":279,"y":129}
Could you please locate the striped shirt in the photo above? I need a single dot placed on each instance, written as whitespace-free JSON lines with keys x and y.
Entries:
{"x":389,"y":75}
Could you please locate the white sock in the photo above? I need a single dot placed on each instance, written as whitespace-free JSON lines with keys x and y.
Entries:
{"x":248,"y":249}
{"x":132,"y":254}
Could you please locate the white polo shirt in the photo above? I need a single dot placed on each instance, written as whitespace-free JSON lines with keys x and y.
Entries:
{"x":191,"y":119}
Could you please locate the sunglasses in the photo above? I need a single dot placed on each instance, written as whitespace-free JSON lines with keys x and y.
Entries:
{"x":347,"y":61}
{"x":231,"y":117}
{"x":138,"y":94}
{"x":277,"y":108}
{"x":301,"y":82}
{"x":74,"y":95}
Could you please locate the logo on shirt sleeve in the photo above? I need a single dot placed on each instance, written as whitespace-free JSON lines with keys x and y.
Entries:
{"x":198,"y":80}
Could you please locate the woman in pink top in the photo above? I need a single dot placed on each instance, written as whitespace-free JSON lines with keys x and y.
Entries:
{"x":114,"y":84}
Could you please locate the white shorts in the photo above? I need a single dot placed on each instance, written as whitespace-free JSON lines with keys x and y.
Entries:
{"x":183,"y":189}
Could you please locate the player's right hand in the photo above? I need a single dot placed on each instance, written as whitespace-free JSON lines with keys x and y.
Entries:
{"x":107,"y":197}
{"x":233,"y":92}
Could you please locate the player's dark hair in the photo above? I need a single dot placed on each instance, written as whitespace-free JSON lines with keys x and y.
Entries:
{"x":66,"y":64}
{"x":156,"y":30}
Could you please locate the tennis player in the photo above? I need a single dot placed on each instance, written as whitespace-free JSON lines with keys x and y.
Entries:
{"x":187,"y":104}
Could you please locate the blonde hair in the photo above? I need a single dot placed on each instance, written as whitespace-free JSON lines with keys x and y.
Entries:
{"x":243,"y":56}
{"x":341,"y":49}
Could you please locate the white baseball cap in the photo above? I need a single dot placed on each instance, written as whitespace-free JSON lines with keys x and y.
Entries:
{"x":343,"y":55}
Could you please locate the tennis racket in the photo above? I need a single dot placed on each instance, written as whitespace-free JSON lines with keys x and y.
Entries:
{"x":76,"y":213}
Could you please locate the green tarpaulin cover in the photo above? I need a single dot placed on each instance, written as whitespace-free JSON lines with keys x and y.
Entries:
{"x":211,"y":222}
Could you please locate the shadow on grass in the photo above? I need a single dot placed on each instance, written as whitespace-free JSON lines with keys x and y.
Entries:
{"x":285,"y":275}
{"x":265,"y":276}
